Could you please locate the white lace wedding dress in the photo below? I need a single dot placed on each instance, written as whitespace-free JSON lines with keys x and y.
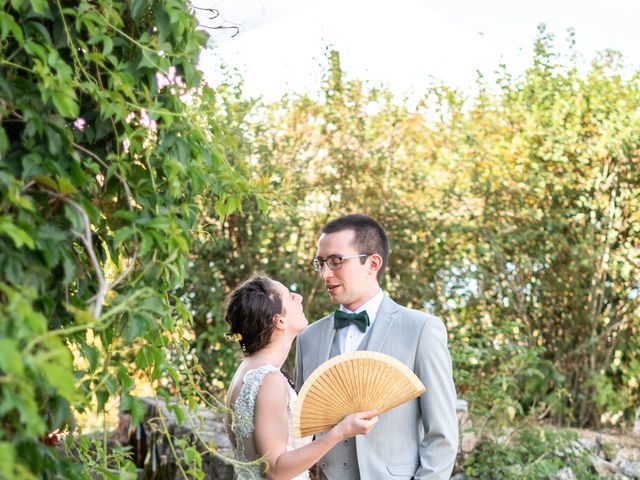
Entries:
{"x":243,"y":420}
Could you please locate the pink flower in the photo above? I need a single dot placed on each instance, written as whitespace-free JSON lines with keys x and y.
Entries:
{"x":129,"y":118}
{"x":171,"y":74}
{"x":162,"y":81}
{"x":80,"y":123}
{"x":144,"y":118}
{"x":126,"y":143}
{"x":169,"y":79}
{"x":187,"y":95}
{"x":145,"y":121}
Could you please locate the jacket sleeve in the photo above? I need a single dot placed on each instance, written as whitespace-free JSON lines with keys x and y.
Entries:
{"x":433,"y":366}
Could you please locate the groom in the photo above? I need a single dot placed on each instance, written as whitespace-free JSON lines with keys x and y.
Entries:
{"x":418,"y":439}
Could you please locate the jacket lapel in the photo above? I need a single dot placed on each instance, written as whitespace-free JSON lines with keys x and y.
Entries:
{"x":382,"y":326}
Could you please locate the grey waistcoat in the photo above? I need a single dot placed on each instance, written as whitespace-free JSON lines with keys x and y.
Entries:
{"x":341,"y":462}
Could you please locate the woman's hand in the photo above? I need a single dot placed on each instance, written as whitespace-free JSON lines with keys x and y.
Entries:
{"x":359,"y":423}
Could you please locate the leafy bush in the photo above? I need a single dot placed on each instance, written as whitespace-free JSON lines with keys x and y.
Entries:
{"x":530,"y":453}
{"x":106,"y":153}
{"x":501,"y":376}
{"x":512,"y":215}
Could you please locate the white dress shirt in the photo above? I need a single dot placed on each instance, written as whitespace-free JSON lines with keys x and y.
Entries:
{"x":351,"y":336}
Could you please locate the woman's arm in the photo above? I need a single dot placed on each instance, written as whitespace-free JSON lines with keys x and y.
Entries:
{"x":272,"y":431}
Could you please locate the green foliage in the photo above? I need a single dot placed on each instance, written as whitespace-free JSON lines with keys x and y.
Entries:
{"x":513,"y":215}
{"x":530,"y":453}
{"x":107,"y":151}
{"x":501,"y":376}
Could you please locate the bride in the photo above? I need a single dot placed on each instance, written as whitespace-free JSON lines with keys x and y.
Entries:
{"x":265,"y":317}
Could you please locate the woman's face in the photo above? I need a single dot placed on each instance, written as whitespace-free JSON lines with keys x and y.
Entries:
{"x":292,"y":309}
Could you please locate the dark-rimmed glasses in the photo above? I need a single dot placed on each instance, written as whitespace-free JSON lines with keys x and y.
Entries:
{"x":334,"y":262}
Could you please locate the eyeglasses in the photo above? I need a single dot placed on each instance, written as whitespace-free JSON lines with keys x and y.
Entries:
{"x":334,"y":262}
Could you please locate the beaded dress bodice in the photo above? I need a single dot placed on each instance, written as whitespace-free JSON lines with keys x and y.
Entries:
{"x":243,"y":424}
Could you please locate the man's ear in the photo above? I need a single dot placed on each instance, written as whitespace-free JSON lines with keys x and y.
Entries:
{"x":375,"y":262}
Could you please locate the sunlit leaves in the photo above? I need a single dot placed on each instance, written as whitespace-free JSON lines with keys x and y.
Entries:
{"x":101,"y":179}
{"x":513,"y":207}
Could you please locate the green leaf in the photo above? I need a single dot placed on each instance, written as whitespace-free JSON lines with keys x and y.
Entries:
{"x":177,"y":410}
{"x":136,"y":327}
{"x":19,"y":236}
{"x":92,"y":355}
{"x":163,"y":22}
{"x":123,"y":234}
{"x":125,"y":379}
{"x":107,"y":45}
{"x":65,"y":102}
{"x":144,"y":358}
{"x":8,"y":455}
{"x":38,"y":6}
{"x":138,"y":7}
{"x":232,"y":204}
{"x":146,"y":244}
{"x":10,"y":357}
{"x":65,"y":187}
{"x":76,"y":219}
{"x":47,"y":181}
{"x":8,"y":24}
{"x":62,"y":379}
{"x":174,"y":375}
{"x":82,"y":317}
{"x":191,"y":455}
{"x":138,"y":409}
{"x":160,"y":223}
{"x":127,"y":215}
{"x":102,"y":396}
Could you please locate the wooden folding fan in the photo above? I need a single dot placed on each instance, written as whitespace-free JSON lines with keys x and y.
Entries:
{"x":352,"y":382}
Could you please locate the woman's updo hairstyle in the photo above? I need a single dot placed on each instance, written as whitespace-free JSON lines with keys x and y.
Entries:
{"x":250,"y":311}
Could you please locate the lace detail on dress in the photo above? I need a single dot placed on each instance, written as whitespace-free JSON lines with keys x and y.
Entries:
{"x":243,"y":424}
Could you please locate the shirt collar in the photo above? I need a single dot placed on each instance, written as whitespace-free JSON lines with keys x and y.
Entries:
{"x":371,"y":306}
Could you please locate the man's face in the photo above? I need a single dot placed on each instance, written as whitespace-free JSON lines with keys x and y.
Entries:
{"x":354,"y":283}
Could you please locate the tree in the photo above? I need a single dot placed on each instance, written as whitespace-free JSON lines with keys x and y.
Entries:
{"x":512,"y":215}
{"x":107,"y":149}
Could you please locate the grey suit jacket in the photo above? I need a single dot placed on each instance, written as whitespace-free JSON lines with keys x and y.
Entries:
{"x":418,"y":439}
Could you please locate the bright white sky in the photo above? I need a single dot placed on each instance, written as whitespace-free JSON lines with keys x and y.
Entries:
{"x":404,"y":44}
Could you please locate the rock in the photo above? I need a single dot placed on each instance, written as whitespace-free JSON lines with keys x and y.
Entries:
{"x":636,"y":425}
{"x":468,"y":439}
{"x":462,"y":406}
{"x":603,"y":467}
{"x":627,"y":453}
{"x":564,"y":474}
{"x":630,"y":469}
{"x":620,"y":476}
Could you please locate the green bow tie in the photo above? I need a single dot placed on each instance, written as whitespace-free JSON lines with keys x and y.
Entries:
{"x":343,"y":319}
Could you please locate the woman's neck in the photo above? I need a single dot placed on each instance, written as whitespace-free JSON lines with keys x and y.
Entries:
{"x":275,"y":353}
